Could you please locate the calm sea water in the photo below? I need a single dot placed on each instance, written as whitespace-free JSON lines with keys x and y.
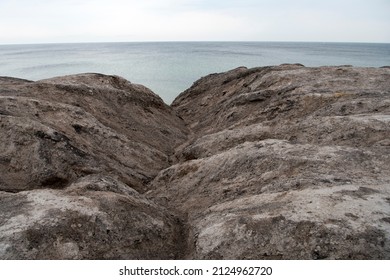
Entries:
{"x":169,"y":68}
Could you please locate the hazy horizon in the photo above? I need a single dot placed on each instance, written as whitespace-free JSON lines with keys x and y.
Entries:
{"x":145,"y":42}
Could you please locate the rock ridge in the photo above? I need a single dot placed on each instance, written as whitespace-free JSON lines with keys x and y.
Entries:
{"x":277,"y":162}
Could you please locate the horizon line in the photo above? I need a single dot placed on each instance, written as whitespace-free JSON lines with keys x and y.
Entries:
{"x":195,"y":41}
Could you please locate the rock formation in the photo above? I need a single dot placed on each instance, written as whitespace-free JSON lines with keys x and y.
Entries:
{"x":283,"y":162}
{"x":57,"y":130}
{"x":75,"y":152}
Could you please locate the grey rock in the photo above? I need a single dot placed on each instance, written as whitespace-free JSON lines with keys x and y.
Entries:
{"x":284,"y":162}
{"x":279,"y":162}
{"x":57,"y":130}
{"x":96,"y":217}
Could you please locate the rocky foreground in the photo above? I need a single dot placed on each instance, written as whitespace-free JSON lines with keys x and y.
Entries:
{"x":283,"y":162}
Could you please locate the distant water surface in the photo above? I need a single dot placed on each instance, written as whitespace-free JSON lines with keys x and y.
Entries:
{"x":168,"y":68}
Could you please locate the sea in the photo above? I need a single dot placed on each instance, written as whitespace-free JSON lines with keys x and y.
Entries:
{"x":168,"y":68}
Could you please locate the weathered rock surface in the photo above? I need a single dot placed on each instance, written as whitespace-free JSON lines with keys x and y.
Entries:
{"x":57,"y":130}
{"x":74,"y":151}
{"x":96,"y":217}
{"x":283,"y":162}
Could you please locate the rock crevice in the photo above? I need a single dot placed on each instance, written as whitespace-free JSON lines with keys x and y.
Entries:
{"x":281,"y":162}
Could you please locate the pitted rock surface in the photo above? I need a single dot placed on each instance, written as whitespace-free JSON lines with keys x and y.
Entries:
{"x":281,"y":162}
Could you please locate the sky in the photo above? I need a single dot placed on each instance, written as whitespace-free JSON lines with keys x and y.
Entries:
{"x":62,"y":21}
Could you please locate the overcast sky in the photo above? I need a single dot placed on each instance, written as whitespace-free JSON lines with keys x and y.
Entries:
{"x":51,"y":21}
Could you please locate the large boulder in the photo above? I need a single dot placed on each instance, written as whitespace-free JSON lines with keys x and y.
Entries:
{"x":57,"y":130}
{"x":96,"y":217}
{"x":284,"y":162}
{"x":76,"y":153}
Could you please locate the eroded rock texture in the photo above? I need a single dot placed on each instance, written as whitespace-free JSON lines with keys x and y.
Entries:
{"x":57,"y":130}
{"x":74,"y":153}
{"x":96,"y":217}
{"x":283,"y":162}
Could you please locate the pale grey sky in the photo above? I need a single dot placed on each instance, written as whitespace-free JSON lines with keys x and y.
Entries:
{"x":51,"y":21}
